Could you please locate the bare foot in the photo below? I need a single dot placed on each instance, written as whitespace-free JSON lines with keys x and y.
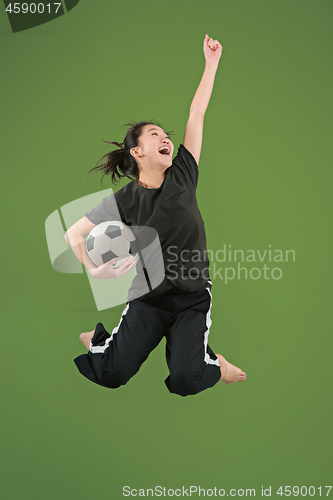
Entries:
{"x":86,"y":337}
{"x":229,"y":372}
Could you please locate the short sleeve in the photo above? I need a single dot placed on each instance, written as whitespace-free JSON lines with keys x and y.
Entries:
{"x":106,"y":210}
{"x":185,"y":161}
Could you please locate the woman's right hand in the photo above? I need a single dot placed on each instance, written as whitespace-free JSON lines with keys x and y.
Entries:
{"x":106,"y":271}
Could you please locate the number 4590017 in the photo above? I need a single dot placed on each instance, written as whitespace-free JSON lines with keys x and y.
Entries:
{"x":303,"y":491}
{"x":32,"y":8}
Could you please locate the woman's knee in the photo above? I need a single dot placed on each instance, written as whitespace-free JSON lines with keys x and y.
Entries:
{"x":184,"y":383}
{"x":115,"y":376}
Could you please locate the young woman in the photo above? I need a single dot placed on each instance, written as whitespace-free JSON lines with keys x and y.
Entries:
{"x":162,"y":196}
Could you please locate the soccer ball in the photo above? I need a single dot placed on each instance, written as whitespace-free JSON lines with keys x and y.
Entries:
{"x":111,"y":239}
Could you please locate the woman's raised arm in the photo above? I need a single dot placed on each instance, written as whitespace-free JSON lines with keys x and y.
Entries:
{"x":194,"y":127}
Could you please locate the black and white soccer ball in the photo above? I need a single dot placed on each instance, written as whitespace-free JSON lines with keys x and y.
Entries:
{"x":109,"y":240}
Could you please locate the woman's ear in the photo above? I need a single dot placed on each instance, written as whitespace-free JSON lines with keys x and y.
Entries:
{"x":135,"y":152}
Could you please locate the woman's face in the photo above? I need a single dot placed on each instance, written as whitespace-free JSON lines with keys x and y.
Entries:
{"x":154,"y":148}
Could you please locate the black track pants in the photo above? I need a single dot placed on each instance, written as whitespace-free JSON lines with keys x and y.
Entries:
{"x":183,"y":319}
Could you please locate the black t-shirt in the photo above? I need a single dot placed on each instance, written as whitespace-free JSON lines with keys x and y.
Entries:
{"x":171,"y":210}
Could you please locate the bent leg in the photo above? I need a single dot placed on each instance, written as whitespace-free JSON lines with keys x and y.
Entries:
{"x":113,"y":359}
{"x":193,"y":365}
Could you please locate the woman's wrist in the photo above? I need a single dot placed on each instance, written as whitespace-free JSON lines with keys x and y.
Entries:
{"x":92,"y":271}
{"x":212,"y":63}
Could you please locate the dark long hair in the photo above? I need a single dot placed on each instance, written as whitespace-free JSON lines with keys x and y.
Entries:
{"x":120,"y":163}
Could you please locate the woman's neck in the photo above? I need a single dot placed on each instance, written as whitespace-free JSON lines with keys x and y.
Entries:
{"x":153,"y":181}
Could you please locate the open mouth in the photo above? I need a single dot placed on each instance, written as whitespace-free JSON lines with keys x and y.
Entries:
{"x":165,"y":150}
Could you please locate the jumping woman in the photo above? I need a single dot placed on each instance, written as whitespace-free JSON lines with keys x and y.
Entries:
{"x":161,"y":195}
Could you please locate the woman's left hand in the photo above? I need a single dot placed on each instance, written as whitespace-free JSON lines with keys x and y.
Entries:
{"x":212,"y":49}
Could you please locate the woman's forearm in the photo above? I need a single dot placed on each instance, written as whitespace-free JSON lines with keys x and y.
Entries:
{"x":78,"y":245}
{"x":204,"y":90}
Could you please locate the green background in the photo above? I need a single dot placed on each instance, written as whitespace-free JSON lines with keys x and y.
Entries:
{"x":265,"y":179}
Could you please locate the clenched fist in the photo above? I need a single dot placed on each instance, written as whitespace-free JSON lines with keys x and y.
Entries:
{"x":212,"y":49}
